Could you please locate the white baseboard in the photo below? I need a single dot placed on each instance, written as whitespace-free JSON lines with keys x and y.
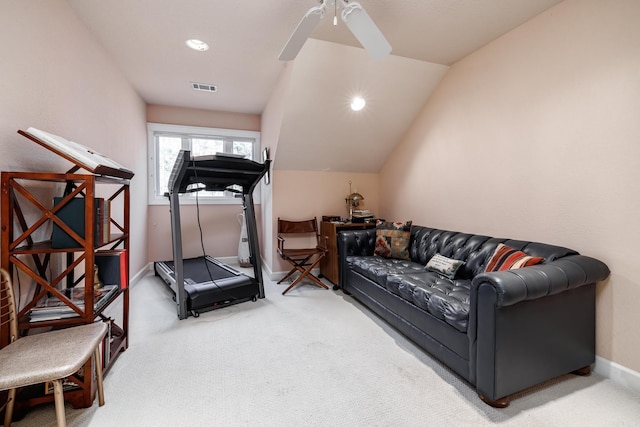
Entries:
{"x":230,"y":260}
{"x":140,"y":274}
{"x":276,"y":276}
{"x":618,"y":373}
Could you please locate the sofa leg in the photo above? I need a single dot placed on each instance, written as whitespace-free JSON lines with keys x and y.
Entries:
{"x":583,"y":372}
{"x":500,"y":403}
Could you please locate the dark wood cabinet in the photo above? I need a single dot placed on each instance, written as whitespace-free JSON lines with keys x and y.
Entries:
{"x":329,"y":266}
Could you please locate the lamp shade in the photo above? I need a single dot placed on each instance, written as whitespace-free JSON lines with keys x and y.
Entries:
{"x":356,"y":197}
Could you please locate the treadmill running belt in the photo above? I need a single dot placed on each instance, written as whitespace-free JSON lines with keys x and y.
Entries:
{"x":195,"y":270}
{"x":202,"y":294}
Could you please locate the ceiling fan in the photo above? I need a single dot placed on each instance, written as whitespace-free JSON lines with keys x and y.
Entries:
{"x":356,"y":19}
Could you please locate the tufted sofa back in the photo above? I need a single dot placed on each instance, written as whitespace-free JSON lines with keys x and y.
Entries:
{"x":475,"y":250}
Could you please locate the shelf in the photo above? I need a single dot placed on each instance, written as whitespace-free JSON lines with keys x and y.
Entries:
{"x":25,"y":322}
{"x":46,"y":247}
{"x":31,"y":207}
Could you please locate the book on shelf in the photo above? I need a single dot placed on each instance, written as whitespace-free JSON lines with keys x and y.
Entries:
{"x":73,"y":215}
{"x":103,"y":220}
{"x":53,"y":308}
{"x":67,"y":384}
{"x":106,"y":343}
{"x":114,"y":332}
{"x":112,"y":267}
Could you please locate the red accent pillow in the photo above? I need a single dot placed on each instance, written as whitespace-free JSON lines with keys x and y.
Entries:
{"x":508,"y":258}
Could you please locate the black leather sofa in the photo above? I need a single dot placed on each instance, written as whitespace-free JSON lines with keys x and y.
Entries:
{"x":501,"y":331}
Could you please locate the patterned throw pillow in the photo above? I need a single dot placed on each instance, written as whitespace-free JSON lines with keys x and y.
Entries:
{"x":392,"y":239}
{"x":508,"y":258}
{"x":445,"y":266}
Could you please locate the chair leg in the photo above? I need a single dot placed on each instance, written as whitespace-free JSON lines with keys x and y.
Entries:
{"x":307,"y":273}
{"x":295,"y":282}
{"x":293,"y":270}
{"x":8,"y":410}
{"x":98,"y":362}
{"x":298,"y":265}
{"x":58,"y":396}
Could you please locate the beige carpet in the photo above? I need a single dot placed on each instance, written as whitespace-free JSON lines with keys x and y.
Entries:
{"x":312,"y":358}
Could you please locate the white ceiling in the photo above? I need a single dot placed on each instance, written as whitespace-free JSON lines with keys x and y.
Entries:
{"x":146,"y":41}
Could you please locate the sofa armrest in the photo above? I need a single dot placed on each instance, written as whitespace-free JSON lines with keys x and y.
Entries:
{"x":533,"y":324}
{"x":570,"y":272}
{"x":354,"y":243}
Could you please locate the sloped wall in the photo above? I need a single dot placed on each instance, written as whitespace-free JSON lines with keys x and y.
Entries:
{"x":535,"y":136}
{"x":55,"y":76}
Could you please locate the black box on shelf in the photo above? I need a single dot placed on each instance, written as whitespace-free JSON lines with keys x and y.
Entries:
{"x":112,"y":267}
{"x":73,"y":215}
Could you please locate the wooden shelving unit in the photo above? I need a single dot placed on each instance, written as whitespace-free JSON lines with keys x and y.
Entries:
{"x":28,"y":215}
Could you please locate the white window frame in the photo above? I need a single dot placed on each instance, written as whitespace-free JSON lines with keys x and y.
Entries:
{"x":188,"y":132}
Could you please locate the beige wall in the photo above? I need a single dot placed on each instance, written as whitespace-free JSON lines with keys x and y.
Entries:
{"x":220,"y":225}
{"x":270,"y":136}
{"x":299,"y":195}
{"x":206,"y":118}
{"x":55,"y":76}
{"x":535,"y":136}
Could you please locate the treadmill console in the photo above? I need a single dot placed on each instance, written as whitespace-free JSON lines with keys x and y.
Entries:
{"x":216,"y":172}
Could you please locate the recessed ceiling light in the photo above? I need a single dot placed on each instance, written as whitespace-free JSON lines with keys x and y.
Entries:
{"x":357,"y":103}
{"x":196,"y":44}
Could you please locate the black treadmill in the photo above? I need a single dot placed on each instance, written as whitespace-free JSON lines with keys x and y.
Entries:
{"x":204,"y":283}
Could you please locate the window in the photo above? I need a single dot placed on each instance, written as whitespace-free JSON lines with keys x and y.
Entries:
{"x":165,"y":141}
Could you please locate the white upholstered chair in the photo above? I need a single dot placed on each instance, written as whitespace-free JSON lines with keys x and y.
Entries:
{"x":50,"y":356}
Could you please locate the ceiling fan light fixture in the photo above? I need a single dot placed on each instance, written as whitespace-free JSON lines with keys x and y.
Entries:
{"x":365,"y":30}
{"x":356,"y":19}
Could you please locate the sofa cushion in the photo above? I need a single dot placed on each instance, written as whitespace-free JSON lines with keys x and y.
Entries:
{"x":392,"y":239}
{"x":446,"y":299}
{"x":508,"y":258}
{"x":378,"y":269}
{"x":443,"y":265}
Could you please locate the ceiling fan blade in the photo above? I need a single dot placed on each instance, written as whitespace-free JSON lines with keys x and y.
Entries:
{"x":368,"y":34}
{"x":302,"y":33}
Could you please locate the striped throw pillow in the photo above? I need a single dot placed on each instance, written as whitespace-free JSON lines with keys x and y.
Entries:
{"x":508,"y":258}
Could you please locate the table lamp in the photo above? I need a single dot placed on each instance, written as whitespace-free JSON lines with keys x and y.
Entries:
{"x":353,"y":200}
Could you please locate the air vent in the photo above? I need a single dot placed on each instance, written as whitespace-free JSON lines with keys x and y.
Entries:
{"x":204,"y":87}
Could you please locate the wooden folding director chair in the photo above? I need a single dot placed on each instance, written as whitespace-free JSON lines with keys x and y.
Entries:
{"x":303,"y":259}
{"x":48,"y":356}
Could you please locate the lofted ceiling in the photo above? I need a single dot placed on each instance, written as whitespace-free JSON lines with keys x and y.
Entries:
{"x":146,"y":39}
